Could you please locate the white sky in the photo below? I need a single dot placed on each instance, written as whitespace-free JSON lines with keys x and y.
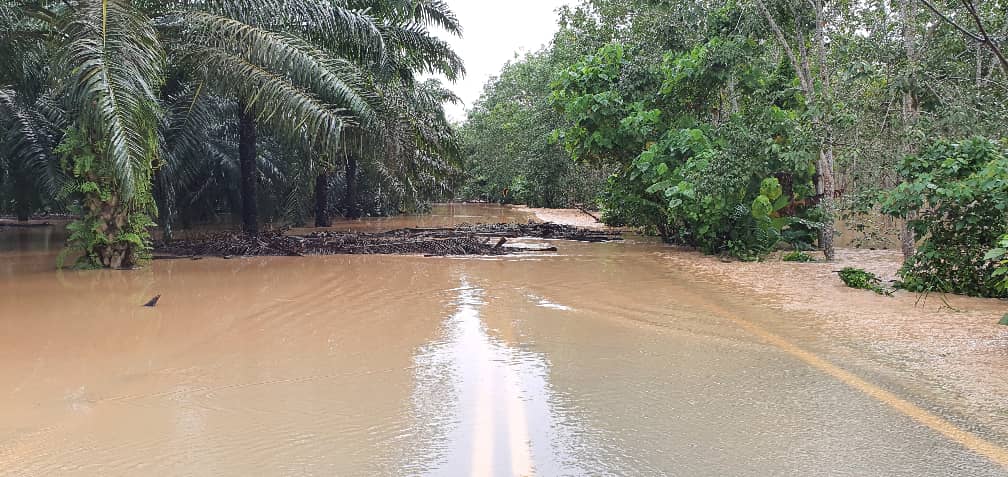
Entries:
{"x":492,"y":32}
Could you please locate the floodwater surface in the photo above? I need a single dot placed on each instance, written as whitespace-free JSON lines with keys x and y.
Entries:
{"x":601,"y":359}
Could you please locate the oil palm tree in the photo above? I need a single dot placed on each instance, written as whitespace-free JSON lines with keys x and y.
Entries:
{"x":411,"y":51}
{"x":143,"y":84}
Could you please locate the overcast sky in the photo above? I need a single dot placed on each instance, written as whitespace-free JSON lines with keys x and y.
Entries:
{"x":493,"y":32}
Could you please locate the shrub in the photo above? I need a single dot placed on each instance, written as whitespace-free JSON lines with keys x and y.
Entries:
{"x":858,"y":278}
{"x":1000,"y":254}
{"x":958,"y":194}
{"x":797,"y":256}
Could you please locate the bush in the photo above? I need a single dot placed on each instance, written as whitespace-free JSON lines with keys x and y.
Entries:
{"x":1000,"y":254}
{"x":958,"y":194}
{"x":858,"y":278}
{"x":797,"y":256}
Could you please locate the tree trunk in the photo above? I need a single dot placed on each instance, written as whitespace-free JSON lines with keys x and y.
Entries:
{"x":827,"y":187}
{"x":322,"y":218}
{"x":249,"y":170}
{"x":166,"y":206}
{"x":23,"y":200}
{"x":350,"y":207}
{"x":911,"y":112}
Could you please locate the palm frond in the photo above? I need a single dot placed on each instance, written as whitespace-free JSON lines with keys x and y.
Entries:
{"x":332,"y":24}
{"x":333,"y":80}
{"x":28,"y":136}
{"x":413,"y":45}
{"x":111,"y":68}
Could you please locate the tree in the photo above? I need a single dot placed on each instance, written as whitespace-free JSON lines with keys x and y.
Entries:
{"x":133,"y":79}
{"x":958,"y":193}
{"x":509,"y":157}
{"x":805,"y":45}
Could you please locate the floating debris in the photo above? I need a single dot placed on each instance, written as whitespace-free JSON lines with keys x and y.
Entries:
{"x":465,"y":239}
{"x":153,"y":302}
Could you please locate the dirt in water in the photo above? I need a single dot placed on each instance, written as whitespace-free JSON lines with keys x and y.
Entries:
{"x":624,"y":358}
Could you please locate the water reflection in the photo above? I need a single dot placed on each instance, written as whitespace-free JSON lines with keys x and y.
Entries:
{"x":43,"y":238}
{"x":499,"y":419}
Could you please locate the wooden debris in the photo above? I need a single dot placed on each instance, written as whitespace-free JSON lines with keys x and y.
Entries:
{"x":465,"y":239}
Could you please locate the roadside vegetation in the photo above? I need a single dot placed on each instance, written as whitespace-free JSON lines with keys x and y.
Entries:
{"x":125,"y":113}
{"x":743,"y":127}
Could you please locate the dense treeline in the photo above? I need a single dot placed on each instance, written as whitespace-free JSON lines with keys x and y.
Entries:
{"x":739,"y":126}
{"x":127,"y":112}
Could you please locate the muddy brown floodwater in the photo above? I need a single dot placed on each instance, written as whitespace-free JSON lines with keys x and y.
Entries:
{"x":602,"y":359}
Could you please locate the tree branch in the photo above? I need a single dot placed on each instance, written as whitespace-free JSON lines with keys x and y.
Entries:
{"x":806,"y":83}
{"x":986,"y":38}
{"x":948,"y":20}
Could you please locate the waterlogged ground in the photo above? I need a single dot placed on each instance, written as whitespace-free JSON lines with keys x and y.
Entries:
{"x":603,"y":359}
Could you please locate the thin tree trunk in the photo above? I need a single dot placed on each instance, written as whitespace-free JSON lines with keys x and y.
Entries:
{"x":827,"y":188}
{"x":350,"y":208}
{"x":322,"y":218}
{"x":249,"y":170}
{"x":911,"y":111}
{"x":826,"y":160}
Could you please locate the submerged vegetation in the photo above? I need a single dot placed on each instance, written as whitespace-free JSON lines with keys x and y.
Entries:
{"x":462,"y":239}
{"x":858,"y":278}
{"x":797,"y":256}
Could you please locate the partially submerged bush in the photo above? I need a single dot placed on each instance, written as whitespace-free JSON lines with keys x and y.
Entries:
{"x":858,"y":278}
{"x":797,"y":256}
{"x":1000,"y":254}
{"x":958,"y":194}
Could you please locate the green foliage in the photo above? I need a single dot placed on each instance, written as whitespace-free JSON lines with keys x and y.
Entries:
{"x":110,"y":232}
{"x":958,"y":193}
{"x":797,"y":256}
{"x":1000,"y":255}
{"x":509,"y":157}
{"x":858,"y":278}
{"x":687,"y":171}
{"x":153,"y":90}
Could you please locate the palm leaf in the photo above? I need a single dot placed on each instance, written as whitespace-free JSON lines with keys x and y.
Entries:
{"x":110,"y":68}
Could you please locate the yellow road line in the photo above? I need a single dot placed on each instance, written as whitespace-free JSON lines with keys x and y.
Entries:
{"x":968,"y":440}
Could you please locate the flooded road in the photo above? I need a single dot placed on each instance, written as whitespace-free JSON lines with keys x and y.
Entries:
{"x":602,"y":359}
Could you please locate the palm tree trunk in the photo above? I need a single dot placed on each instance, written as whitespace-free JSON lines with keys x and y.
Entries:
{"x":23,"y":203}
{"x":350,"y":208}
{"x":163,"y":198}
{"x":249,"y":170}
{"x":322,"y":218}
